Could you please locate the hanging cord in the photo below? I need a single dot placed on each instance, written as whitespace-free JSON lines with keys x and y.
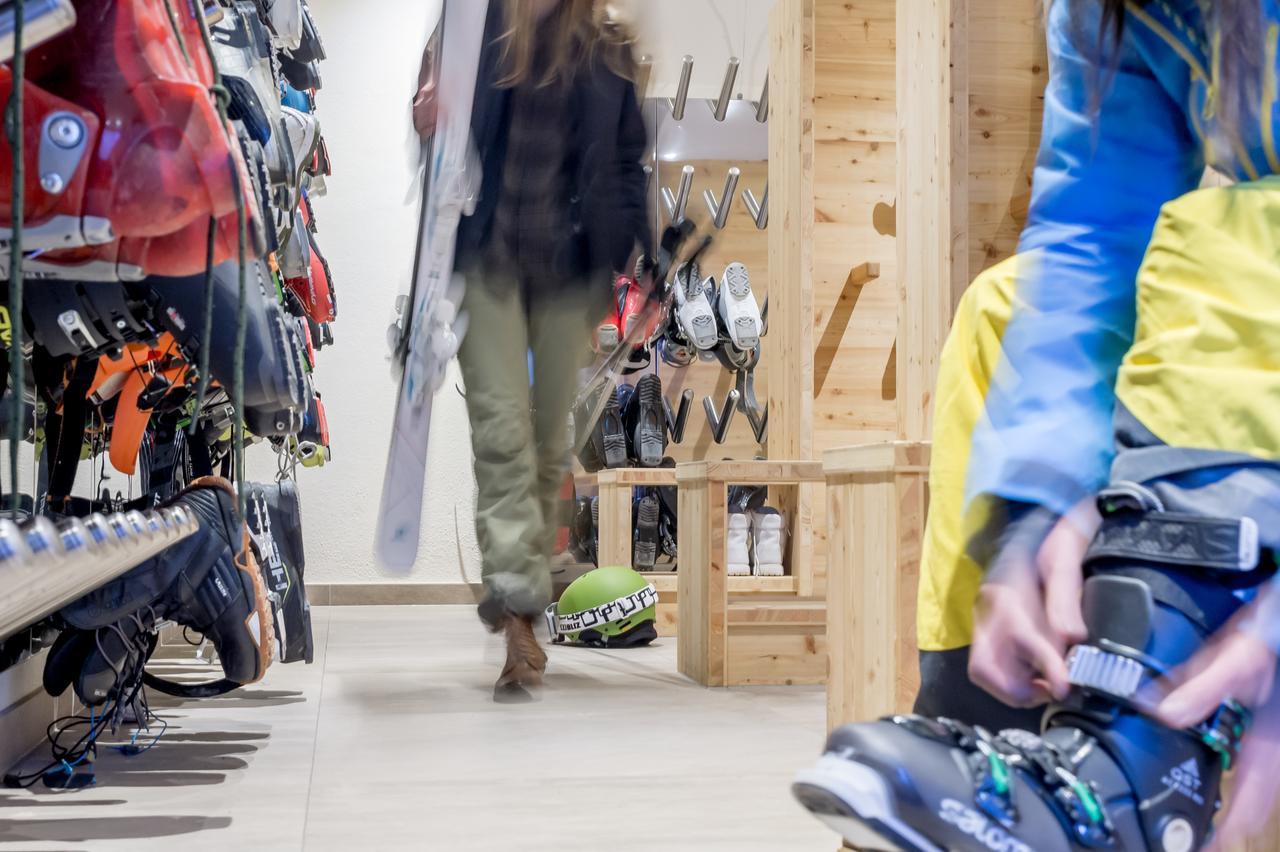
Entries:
{"x":223,"y":97}
{"x":14,"y":130}
{"x":202,"y":371}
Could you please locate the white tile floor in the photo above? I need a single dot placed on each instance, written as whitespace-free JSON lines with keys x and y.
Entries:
{"x":391,"y":740}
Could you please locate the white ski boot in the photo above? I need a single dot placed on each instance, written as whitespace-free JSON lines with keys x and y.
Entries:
{"x":738,"y":308}
{"x":738,"y":544}
{"x":693,"y":308}
{"x":768,"y":537}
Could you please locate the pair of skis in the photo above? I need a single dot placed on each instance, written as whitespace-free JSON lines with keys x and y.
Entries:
{"x":430,"y":329}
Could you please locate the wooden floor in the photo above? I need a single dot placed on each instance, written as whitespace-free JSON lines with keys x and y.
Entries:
{"x":391,"y":740}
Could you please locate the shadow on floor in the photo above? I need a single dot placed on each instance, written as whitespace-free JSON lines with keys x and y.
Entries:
{"x":179,"y":759}
{"x":24,"y":800}
{"x":239,"y":698}
{"x":86,"y":830}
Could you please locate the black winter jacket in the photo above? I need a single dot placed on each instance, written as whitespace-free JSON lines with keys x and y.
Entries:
{"x":607,"y":192}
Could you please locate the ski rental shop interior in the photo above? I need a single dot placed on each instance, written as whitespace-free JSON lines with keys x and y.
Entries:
{"x":761,"y":502}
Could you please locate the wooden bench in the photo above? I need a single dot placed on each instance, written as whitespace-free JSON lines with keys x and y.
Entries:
{"x":744,"y":630}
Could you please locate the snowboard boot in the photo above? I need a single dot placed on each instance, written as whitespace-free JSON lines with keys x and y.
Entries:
{"x":768,"y":542}
{"x":647,"y":423}
{"x":275,"y":522}
{"x":1103,"y":774}
{"x":693,"y":308}
{"x":738,"y":544}
{"x":209,"y":582}
{"x":645,"y":550}
{"x":738,"y":308}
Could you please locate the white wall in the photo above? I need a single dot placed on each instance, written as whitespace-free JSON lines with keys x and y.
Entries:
{"x":710,"y":31}
{"x":367,"y":230}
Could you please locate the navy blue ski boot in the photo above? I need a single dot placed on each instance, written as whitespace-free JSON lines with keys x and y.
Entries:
{"x":1104,"y":774}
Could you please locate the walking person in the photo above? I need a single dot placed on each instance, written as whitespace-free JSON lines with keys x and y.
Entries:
{"x":560,"y":135}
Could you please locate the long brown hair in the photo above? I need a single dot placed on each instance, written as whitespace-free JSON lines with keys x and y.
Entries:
{"x":1236,"y":34}
{"x":577,"y":33}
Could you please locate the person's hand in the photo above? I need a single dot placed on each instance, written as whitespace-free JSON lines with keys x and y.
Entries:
{"x":425,"y":109}
{"x":1235,"y":665}
{"x":1028,"y":615}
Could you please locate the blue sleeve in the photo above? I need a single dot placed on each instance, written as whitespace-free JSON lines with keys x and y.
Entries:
{"x":1115,"y":147}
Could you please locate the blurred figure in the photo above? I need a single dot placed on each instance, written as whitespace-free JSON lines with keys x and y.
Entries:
{"x":560,"y":134}
{"x":1106,"y":473}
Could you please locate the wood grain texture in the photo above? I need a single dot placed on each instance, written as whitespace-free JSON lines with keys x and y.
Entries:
{"x":716,"y":611}
{"x":1008,"y":69}
{"x":614,"y":545}
{"x":932,"y":185}
{"x":791,"y":222}
{"x":693,"y":582}
{"x":877,"y":500}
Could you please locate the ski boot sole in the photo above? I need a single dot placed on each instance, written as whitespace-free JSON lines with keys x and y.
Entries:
{"x":853,"y":800}
{"x":645,"y":555}
{"x":650,"y":435}
{"x":741,"y":313}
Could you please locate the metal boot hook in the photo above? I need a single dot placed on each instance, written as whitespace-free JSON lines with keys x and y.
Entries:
{"x":759,"y":210}
{"x":677,"y":103}
{"x":677,"y":420}
{"x":720,"y":209}
{"x":720,"y":107}
{"x":678,"y":203}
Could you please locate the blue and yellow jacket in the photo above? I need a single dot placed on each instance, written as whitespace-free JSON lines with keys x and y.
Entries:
{"x":1101,"y":178}
{"x":1032,"y":397}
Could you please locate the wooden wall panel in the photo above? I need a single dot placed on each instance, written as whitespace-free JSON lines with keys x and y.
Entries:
{"x":1008,"y":70}
{"x":855,"y":167}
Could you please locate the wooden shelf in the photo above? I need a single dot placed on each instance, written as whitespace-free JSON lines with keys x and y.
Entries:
{"x":667,"y":581}
{"x":744,"y":630}
{"x":637,"y":477}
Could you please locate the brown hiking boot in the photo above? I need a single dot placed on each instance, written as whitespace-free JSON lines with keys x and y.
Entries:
{"x":526,"y":661}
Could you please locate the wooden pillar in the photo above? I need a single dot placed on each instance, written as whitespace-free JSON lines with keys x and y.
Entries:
{"x":932,"y":98}
{"x":877,"y":500}
{"x":790,"y":340}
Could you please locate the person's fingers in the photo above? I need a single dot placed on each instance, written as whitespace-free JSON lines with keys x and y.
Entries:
{"x":1063,"y":586}
{"x":991,"y":671}
{"x":1060,"y":561}
{"x":1047,"y":661}
{"x":1010,"y":669}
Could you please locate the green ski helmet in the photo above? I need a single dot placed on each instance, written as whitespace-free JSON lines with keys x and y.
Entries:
{"x":609,"y":607}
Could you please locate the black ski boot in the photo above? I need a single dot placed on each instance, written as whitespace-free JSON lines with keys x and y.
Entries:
{"x":646,"y":423}
{"x":610,"y":436}
{"x":1103,"y":774}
